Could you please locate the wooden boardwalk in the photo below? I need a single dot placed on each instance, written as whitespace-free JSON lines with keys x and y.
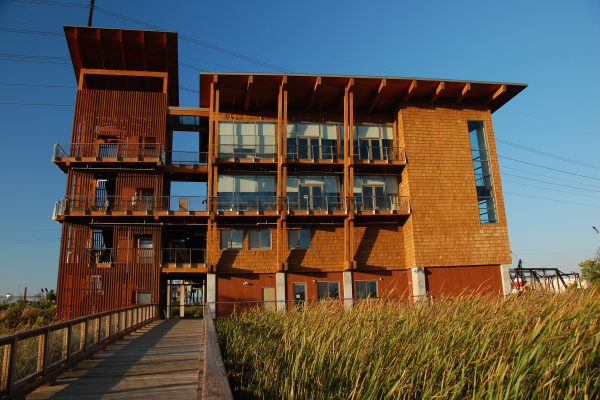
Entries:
{"x":162,"y":360}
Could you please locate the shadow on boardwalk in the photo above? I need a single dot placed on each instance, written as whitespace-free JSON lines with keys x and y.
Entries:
{"x":162,"y":360}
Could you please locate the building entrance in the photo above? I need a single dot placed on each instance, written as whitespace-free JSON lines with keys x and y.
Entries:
{"x":185,"y":297}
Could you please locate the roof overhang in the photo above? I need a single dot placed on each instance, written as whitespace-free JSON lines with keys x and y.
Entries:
{"x":244,"y":92}
{"x":96,"y":48}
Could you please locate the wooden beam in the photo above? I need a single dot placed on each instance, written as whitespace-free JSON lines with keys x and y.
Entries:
{"x":438,"y":90}
{"x":409,"y":91}
{"x":100,"y":48}
{"x":142,"y":41}
{"x":500,"y":91}
{"x":123,"y":59}
{"x":313,"y":95}
{"x":377,"y":95}
{"x":346,"y":90}
{"x":248,"y":96}
{"x":466,"y":89}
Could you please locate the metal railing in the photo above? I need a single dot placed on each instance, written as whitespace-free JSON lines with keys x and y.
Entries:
{"x":245,"y":202}
{"x":380,"y":203}
{"x":187,"y":158}
{"x":386,"y":153}
{"x":183,"y":255}
{"x":108,"y":150}
{"x":328,"y":202}
{"x":101,"y":256}
{"x":109,"y":204}
{"x":310,"y":152}
{"x":32,"y":357}
{"x":237,"y":151}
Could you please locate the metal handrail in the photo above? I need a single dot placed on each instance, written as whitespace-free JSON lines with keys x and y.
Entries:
{"x":327,"y":202}
{"x":253,"y":151}
{"x":177,"y":255}
{"x":380,"y":203}
{"x":384,"y":153}
{"x":245,"y":202}
{"x":108,"y":150}
{"x":313,"y":152}
{"x":187,"y":157}
{"x":108,"y":204}
{"x":57,"y":347}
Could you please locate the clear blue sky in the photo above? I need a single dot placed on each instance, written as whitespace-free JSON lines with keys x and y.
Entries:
{"x":554,"y":46}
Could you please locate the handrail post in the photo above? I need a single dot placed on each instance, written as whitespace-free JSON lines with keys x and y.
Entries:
{"x":12,"y":366}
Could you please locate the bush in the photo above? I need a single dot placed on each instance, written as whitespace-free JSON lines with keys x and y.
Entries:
{"x":22,"y":316}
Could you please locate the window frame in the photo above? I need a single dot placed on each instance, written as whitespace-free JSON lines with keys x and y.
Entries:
{"x":366,"y":281}
{"x":230,"y":240}
{"x":260,"y":239}
{"x":490,"y":216}
{"x":299,"y":239}
{"x":328,"y":297}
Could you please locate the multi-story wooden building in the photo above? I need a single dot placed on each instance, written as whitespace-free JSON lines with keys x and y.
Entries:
{"x":298,"y":186}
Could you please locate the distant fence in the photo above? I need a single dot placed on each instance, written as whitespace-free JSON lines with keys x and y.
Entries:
{"x":31,"y":358}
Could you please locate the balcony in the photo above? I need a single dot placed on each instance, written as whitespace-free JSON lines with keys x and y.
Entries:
{"x":248,"y":154}
{"x":313,"y":154}
{"x":64,"y":154}
{"x":245,"y":204}
{"x":187,"y":162}
{"x":183,"y":259}
{"x":172,"y":259}
{"x":123,"y":205}
{"x":298,"y":204}
{"x":383,"y":205}
{"x":374,"y":154}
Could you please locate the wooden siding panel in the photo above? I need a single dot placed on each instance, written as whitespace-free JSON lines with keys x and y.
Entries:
{"x":452,"y":281}
{"x":444,"y":223}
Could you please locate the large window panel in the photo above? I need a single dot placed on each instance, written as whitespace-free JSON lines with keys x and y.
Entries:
{"x":328,"y":290}
{"x":232,"y":239}
{"x":482,"y":172}
{"x":260,"y":239}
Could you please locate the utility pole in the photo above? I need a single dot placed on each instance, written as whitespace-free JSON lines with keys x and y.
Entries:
{"x":597,"y":231}
{"x":91,"y":13}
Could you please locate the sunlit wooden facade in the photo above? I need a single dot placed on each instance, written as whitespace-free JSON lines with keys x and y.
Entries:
{"x":299,"y":186}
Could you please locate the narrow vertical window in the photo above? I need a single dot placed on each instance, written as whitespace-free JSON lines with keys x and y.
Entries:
{"x":483,"y":173}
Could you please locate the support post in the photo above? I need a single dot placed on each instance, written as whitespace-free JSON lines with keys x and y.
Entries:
{"x":419,"y":287}
{"x":168,"y":313}
{"x":211,"y":293}
{"x":348,"y":292}
{"x":181,"y":299}
{"x":505,"y":277}
{"x":280,"y":290}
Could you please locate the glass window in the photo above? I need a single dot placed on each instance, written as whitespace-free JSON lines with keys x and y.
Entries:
{"x":482,"y":172}
{"x":299,"y":239}
{"x":366,"y":289}
{"x":328,"y":290}
{"x":232,"y":239}
{"x":260,"y":239}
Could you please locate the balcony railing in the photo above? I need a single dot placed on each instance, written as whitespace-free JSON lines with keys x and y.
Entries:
{"x":246,"y":202}
{"x":187,"y":158}
{"x":110,"y":204}
{"x":392,"y":203}
{"x":385,"y":153}
{"x":314,"y":153}
{"x":236,"y":151}
{"x":101,"y":257}
{"x":326,"y":203}
{"x":101,"y":151}
{"x":180,"y":256}
{"x":106,"y":257}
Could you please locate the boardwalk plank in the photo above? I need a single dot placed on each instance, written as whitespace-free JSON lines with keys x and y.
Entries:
{"x":163,"y":360}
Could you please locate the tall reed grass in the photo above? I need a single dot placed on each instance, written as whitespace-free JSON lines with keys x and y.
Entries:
{"x":536,"y":345}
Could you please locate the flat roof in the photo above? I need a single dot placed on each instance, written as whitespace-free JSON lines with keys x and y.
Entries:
{"x":245,"y":91}
{"x":125,"y":49}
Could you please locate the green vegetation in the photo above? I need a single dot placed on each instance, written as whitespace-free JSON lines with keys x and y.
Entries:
{"x":590,"y":269}
{"x":535,"y":345}
{"x":21,"y":316}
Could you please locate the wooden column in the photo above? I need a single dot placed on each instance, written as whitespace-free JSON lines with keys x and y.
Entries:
{"x":280,"y":134}
{"x":348,"y":175}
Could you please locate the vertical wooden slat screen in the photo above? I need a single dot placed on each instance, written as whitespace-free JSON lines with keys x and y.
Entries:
{"x":130,"y":116}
